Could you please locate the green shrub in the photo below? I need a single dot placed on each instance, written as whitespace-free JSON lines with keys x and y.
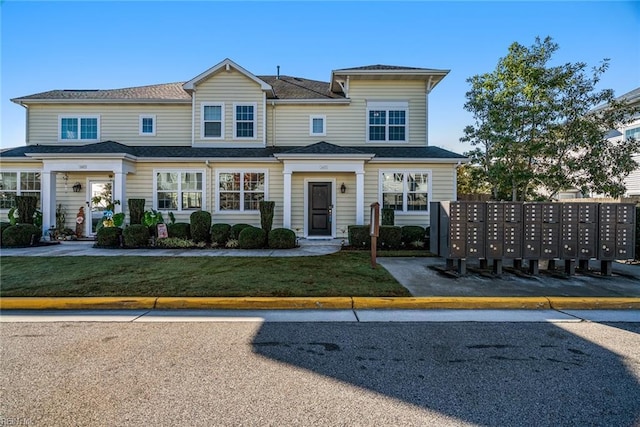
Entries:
{"x":136,"y":236}
{"x":282,"y":238}
{"x":359,"y":236}
{"x":252,"y":238}
{"x":136,"y":210}
{"x":220,"y":233}
{"x":3,"y":226}
{"x":413,"y":233}
{"x":236,"y":229}
{"x":179,"y":230}
{"x":21,"y":235}
{"x":200,"y":226}
{"x":388,"y":216}
{"x":177,"y":243}
{"x":266,"y":214}
{"x":108,"y":237}
{"x":26,"y":208}
{"x":389,"y":237}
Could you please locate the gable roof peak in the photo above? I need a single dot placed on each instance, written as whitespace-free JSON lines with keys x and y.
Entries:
{"x":226,"y":65}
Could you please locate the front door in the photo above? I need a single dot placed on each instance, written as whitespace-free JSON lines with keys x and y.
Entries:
{"x":320,"y":209}
{"x":100,"y":196}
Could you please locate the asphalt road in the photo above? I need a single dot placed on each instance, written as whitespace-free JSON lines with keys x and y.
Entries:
{"x":325,"y":374}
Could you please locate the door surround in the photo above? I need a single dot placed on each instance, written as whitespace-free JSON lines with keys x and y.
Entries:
{"x":307,"y":196}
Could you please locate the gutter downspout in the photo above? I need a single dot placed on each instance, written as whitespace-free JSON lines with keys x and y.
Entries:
{"x":273,"y":124}
{"x":193,"y":117}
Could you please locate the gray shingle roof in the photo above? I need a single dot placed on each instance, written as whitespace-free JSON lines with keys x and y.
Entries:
{"x":287,"y":87}
{"x":380,"y":67}
{"x":112,"y":147}
{"x":160,"y":92}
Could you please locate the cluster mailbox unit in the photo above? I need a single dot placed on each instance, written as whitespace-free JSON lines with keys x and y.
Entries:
{"x":533,"y":231}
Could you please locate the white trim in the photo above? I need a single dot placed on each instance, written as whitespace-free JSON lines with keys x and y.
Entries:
{"x":337,"y":101}
{"x":240,"y":171}
{"x":202,"y":121}
{"x":405,"y":191}
{"x":141,"y":118}
{"x":78,"y":117}
{"x":24,"y":102}
{"x":305,"y":230}
{"x":18,"y":191}
{"x":387,"y":106}
{"x":225,"y":64}
{"x":255,"y":121}
{"x":322,"y":117}
{"x":156,"y":171}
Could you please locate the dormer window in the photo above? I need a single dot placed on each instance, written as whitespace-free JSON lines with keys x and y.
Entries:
{"x":387,"y":121}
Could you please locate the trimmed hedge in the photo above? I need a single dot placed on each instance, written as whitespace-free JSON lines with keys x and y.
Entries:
{"x":413,"y":233}
{"x":252,"y":238}
{"x":136,"y":210}
{"x":388,"y":216}
{"x":179,"y":230}
{"x":282,"y":238}
{"x":108,"y":237}
{"x":200,"y":226}
{"x":136,"y":236}
{"x":220,"y":233}
{"x":359,"y":236}
{"x":21,"y":235}
{"x":236,"y":229}
{"x":389,"y":237}
{"x":3,"y":226}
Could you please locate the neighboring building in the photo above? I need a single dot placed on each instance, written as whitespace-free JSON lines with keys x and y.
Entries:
{"x":226,"y":139}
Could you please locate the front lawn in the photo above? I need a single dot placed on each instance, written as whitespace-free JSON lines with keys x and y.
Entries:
{"x":340,"y":274}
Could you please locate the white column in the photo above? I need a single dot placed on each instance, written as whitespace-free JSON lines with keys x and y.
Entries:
{"x":120,"y":191}
{"x":286,"y":203}
{"x":48,"y":200}
{"x":359,"y":198}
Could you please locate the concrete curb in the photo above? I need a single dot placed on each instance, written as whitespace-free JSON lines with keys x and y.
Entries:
{"x":325,"y":303}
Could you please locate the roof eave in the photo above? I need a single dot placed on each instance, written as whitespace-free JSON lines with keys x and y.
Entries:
{"x":227,"y":63}
{"x":119,"y":156}
{"x":205,"y":158}
{"x":23,"y":101}
{"x":419,"y":160}
{"x":296,"y":156}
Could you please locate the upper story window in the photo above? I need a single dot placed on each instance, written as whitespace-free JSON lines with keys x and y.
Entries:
{"x":405,"y":191}
{"x":79,"y":128}
{"x":14,"y":184}
{"x":179,"y":190}
{"x":632,"y":133}
{"x":213,"y":121}
{"x":387,"y":121}
{"x":241,"y":190}
{"x":317,"y":125}
{"x":148,"y":125}
{"x":244,"y":121}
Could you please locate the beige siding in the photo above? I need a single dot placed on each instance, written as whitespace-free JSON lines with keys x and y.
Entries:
{"x":347,"y":124}
{"x":229,"y":88}
{"x":117,"y":123}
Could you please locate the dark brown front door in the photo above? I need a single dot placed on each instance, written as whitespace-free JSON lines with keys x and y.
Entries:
{"x":320,"y":209}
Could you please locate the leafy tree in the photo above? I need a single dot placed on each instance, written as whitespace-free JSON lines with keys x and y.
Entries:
{"x":537,"y":129}
{"x":471,"y":180}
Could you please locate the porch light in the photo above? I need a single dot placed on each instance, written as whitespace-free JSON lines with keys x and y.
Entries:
{"x":77,"y":187}
{"x":343,"y":188}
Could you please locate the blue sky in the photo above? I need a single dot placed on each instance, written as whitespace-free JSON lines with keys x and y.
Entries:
{"x":104,"y":45}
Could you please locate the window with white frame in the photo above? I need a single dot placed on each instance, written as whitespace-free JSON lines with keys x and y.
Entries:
{"x":405,"y":191}
{"x":241,"y":191}
{"x":79,"y":128}
{"x":387,"y":121}
{"x":148,"y":125}
{"x":317,"y":125}
{"x":14,"y":184}
{"x":213,"y":121}
{"x":179,"y":190}
{"x":632,"y":133}
{"x":244,"y":121}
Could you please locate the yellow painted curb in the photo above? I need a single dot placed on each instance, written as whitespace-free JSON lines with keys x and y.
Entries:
{"x":478,"y":303}
{"x":594,"y":303}
{"x":76,"y":303}
{"x":254,"y":303}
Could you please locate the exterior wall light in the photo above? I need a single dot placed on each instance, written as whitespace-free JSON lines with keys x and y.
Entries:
{"x":343,"y":188}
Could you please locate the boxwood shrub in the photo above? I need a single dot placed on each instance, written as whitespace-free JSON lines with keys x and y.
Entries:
{"x":359,"y":236}
{"x":179,"y":230}
{"x":236,"y":229}
{"x":412,"y":233}
{"x":389,"y":237}
{"x":108,"y":237}
{"x":21,"y":235}
{"x":252,"y":238}
{"x":3,"y":226}
{"x":220,"y":233}
{"x":200,"y":226}
{"x":136,"y":236}
{"x":282,"y":238}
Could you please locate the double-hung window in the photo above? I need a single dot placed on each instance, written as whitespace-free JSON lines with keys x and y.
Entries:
{"x":241,"y":190}
{"x":148,"y":125}
{"x":632,"y":133}
{"x":213,"y":121}
{"x":387,"y":121}
{"x":405,"y":191}
{"x":244,"y":121}
{"x":179,"y":190}
{"x":79,"y":128}
{"x":14,"y":184}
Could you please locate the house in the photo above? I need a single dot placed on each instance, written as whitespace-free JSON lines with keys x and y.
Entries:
{"x":226,"y":139}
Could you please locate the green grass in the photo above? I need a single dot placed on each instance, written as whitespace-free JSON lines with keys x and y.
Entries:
{"x":339,"y":274}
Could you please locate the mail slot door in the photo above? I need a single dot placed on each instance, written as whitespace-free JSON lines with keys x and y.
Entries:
{"x":513,"y":240}
{"x":587,"y":241}
{"x":626,"y":213}
{"x":550,"y":241}
{"x":532,"y":226}
{"x":475,"y":240}
{"x":625,"y":241}
{"x":607,"y":241}
{"x":495,"y":240}
{"x":588,"y":213}
{"x":551,"y":213}
{"x":475,"y":211}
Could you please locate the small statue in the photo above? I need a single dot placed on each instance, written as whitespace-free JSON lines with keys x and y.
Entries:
{"x":80,"y":222}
